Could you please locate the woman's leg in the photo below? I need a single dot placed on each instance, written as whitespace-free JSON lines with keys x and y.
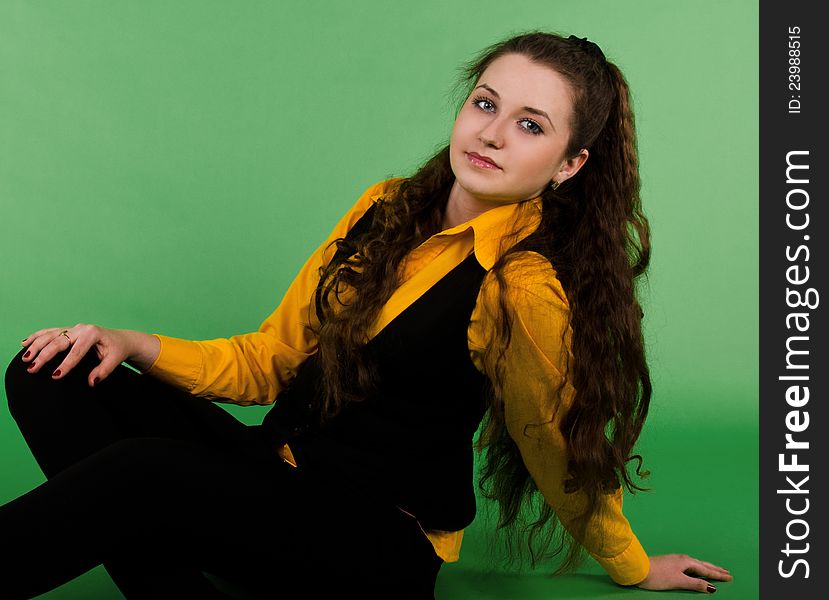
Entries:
{"x":66,"y":421}
{"x":168,"y":509}
{"x":149,"y":501}
{"x":174,"y":508}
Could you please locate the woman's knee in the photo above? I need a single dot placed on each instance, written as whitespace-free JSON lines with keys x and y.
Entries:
{"x":24,"y":389}
{"x":16,"y":366}
{"x":16,"y":380}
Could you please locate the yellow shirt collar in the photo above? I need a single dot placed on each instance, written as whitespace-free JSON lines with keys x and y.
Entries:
{"x":491,"y":226}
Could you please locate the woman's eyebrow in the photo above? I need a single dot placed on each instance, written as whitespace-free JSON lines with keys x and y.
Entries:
{"x":491,"y":91}
{"x":529,"y":109}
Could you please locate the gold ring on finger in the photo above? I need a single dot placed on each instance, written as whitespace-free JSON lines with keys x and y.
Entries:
{"x":66,"y":335}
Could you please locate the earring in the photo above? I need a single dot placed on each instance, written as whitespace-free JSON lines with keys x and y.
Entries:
{"x":554,"y":184}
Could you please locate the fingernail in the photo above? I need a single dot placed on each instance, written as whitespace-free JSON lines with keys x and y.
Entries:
{"x":94,"y":381}
{"x":56,"y":373}
{"x":711,"y":589}
{"x":28,"y":352}
{"x":31,"y":365}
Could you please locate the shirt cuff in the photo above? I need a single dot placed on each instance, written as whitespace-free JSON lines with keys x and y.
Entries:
{"x":179,"y":362}
{"x":628,"y":568}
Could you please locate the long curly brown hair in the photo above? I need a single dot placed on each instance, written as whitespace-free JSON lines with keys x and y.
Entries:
{"x":595,"y":236}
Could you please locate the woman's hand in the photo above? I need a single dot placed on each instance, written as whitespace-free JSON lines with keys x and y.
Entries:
{"x":113,"y":346}
{"x":675,"y":571}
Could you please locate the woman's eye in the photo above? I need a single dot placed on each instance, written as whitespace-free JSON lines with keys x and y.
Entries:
{"x":484,"y":104}
{"x":533,"y":127}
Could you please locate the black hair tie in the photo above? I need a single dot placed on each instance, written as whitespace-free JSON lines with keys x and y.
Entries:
{"x":589,"y":47}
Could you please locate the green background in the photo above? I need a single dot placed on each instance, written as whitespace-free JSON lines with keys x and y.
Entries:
{"x":168,"y":167}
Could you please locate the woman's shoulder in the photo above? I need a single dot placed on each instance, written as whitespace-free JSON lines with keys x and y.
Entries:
{"x":533,"y":291}
{"x":532,"y":279}
{"x":370,"y":195}
{"x":382,"y":188}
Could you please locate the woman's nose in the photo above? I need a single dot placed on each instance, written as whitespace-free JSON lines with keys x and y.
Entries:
{"x":492,"y":134}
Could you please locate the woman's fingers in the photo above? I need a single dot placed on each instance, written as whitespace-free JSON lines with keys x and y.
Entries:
{"x":37,"y":340}
{"x":32,"y":336}
{"x":703,"y":569}
{"x":76,"y":352}
{"x":102,"y":371}
{"x":680,"y":571}
{"x":706,"y":569}
{"x":716,"y":572}
{"x":698,"y":585}
{"x":44,"y":347}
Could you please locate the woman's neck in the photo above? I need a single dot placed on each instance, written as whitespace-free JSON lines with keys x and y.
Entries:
{"x":462,"y":207}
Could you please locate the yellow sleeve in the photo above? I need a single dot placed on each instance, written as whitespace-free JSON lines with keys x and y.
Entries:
{"x":535,"y":360}
{"x":253,"y":368}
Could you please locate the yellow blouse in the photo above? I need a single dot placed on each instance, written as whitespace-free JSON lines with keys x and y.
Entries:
{"x":252,"y":368}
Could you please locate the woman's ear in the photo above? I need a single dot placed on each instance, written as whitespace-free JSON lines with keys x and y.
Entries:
{"x":571,"y":166}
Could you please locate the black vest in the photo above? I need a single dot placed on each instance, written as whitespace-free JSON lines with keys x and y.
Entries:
{"x":410,"y":443}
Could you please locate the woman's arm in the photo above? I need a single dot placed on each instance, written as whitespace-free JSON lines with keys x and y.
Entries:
{"x":535,"y":359}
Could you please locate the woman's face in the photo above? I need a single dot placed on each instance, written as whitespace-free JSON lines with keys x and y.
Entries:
{"x":518,"y":117}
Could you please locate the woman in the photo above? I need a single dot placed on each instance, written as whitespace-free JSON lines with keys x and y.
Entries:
{"x":495,"y":284}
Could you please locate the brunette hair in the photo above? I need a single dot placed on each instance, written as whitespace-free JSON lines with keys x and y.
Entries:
{"x":595,"y":236}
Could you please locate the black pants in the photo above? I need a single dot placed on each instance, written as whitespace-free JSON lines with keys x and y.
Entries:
{"x":161,"y":487}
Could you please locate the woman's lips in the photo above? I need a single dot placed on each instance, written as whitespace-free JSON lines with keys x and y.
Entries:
{"x":482,"y":161}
